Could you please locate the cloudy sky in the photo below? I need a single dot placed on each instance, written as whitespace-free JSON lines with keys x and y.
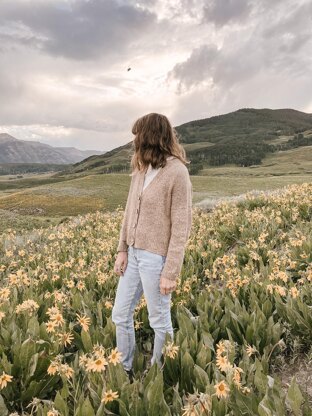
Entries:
{"x":63,"y":64}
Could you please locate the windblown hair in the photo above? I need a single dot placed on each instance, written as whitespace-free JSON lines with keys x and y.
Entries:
{"x":155,"y":140}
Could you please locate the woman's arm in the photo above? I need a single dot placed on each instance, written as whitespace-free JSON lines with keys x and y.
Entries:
{"x":122,"y":244}
{"x":181,"y":223}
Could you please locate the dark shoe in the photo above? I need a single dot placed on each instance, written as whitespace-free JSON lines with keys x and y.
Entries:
{"x":130,"y":375}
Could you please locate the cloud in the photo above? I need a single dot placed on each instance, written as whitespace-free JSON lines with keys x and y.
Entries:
{"x":221,"y":12}
{"x":79,"y":29}
{"x":283,"y":46}
{"x":198,"y":67}
{"x":63,"y":64}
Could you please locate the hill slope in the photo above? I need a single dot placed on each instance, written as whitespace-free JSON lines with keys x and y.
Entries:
{"x":13,"y":150}
{"x":243,"y":137}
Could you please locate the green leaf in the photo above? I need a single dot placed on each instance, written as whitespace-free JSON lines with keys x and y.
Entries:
{"x":187,"y":368}
{"x":260,"y":379}
{"x":177,"y":403}
{"x":28,"y":349}
{"x":203,"y":357}
{"x":154,"y":397}
{"x":151,"y":375}
{"x":116,"y":376}
{"x":86,"y":341}
{"x":294,"y":397}
{"x":3,"y":409}
{"x":201,"y":378}
{"x":122,"y":408}
{"x":33,"y":365}
{"x":208,"y":340}
{"x":244,"y":404}
{"x":87,"y":409}
{"x":33,"y":327}
{"x":264,"y":408}
{"x":60,"y":404}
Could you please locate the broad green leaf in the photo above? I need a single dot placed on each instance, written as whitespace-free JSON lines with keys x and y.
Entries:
{"x":86,"y":341}
{"x":3,"y":409}
{"x":264,"y":408}
{"x":87,"y":409}
{"x":201,"y":378}
{"x":61,"y":405}
{"x":155,"y":397}
{"x":295,"y":398}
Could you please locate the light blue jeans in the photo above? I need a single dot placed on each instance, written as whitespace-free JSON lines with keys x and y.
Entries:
{"x":142,"y":275}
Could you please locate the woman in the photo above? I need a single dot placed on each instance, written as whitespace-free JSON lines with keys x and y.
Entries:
{"x":154,"y":232}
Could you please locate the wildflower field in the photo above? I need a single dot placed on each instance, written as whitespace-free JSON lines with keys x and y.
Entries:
{"x":243,"y":305}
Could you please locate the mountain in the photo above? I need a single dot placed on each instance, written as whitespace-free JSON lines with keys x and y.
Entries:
{"x":13,"y":150}
{"x":242,"y":138}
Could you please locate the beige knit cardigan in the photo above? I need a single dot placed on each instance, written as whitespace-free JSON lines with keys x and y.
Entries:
{"x":159,"y":218}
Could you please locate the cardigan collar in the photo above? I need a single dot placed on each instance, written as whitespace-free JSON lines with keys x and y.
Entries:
{"x":142,"y":176}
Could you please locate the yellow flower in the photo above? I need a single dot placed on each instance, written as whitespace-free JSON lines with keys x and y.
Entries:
{"x":50,"y":326}
{"x":53,"y":412}
{"x":97,"y":365}
{"x":250,"y":350}
{"x":115,"y":356}
{"x":138,"y":324}
{"x":4,"y":380}
{"x":84,"y":322}
{"x":220,"y":347}
{"x":222,"y":389}
{"x":28,"y":305}
{"x":83,"y":360}
{"x":109,"y":396}
{"x":66,"y":338}
{"x":237,"y":376}
{"x":223,"y":363}
{"x":81,"y":285}
{"x":281,"y":290}
{"x":58,"y":319}
{"x":53,"y":368}
{"x":98,"y":351}
{"x":66,"y":370}
{"x":170,"y":350}
{"x":53,"y":311}
{"x":294,"y":292}
{"x":108,"y":304}
{"x":246,"y":390}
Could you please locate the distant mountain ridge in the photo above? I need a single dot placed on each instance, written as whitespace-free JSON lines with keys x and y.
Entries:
{"x":13,"y":150}
{"x":243,"y":138}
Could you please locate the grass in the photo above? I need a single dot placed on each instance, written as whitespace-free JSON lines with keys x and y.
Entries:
{"x":43,"y":197}
{"x":55,"y":201}
{"x":276,"y":171}
{"x":289,"y":162}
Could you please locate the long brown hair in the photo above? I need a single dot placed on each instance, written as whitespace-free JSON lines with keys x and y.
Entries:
{"x":155,"y":140}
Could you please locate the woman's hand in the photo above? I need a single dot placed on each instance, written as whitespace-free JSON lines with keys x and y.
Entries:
{"x":121,"y":262}
{"x":167,"y":286}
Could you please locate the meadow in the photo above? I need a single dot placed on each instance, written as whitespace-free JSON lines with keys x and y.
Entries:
{"x":41,"y":200}
{"x":241,"y":316}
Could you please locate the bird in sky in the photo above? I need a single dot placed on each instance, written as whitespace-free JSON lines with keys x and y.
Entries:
{"x":129,"y":69}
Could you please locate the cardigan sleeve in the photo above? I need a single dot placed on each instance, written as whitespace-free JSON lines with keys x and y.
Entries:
{"x":181,"y":223}
{"x":122,"y":244}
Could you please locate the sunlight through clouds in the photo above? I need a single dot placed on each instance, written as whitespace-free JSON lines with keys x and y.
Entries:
{"x":93,"y":67}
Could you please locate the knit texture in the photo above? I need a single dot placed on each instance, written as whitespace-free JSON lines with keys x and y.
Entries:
{"x":151,"y":173}
{"x":159,"y":218}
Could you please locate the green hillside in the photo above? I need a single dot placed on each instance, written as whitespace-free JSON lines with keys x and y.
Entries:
{"x":39,"y":201}
{"x":242,"y":138}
